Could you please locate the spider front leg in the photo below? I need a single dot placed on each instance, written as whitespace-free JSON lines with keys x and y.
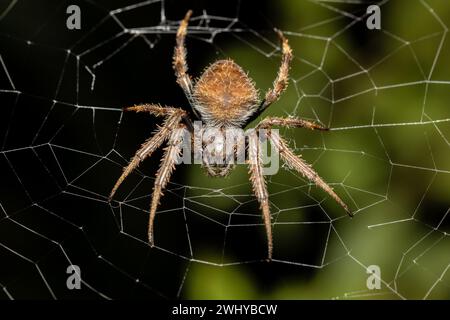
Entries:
{"x":174,"y":117}
{"x":168,"y":162}
{"x":281,"y":81}
{"x":259,"y":187}
{"x":297,"y":163}
{"x":179,"y":58}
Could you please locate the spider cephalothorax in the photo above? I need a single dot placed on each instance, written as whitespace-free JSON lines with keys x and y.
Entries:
{"x":225,"y":100}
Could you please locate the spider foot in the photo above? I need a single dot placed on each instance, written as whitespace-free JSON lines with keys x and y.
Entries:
{"x":151,"y":243}
{"x":188,"y":15}
{"x":350,"y":213}
{"x":320,"y":127}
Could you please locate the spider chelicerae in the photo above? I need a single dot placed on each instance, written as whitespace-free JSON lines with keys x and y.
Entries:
{"x":223,"y":98}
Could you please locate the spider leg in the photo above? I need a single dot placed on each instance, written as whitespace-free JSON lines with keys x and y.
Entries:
{"x":259,"y":187}
{"x":297,"y":163}
{"x":269,"y":122}
{"x":150,"y":145}
{"x":159,"y":111}
{"x":281,"y":81}
{"x":154,"y":109}
{"x":179,"y":58}
{"x":171,"y":154}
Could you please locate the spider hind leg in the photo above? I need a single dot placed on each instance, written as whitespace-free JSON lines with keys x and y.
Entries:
{"x":298,"y":164}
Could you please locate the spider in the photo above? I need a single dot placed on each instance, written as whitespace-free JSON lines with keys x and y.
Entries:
{"x":223,"y":97}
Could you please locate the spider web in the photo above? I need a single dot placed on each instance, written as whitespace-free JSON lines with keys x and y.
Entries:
{"x":64,"y":140}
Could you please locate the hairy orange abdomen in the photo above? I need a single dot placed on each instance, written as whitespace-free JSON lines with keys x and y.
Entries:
{"x":225,"y":94}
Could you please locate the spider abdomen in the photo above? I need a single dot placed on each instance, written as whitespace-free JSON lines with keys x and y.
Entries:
{"x":224,"y":94}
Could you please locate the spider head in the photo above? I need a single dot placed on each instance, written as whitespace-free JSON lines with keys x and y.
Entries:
{"x":224,"y":95}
